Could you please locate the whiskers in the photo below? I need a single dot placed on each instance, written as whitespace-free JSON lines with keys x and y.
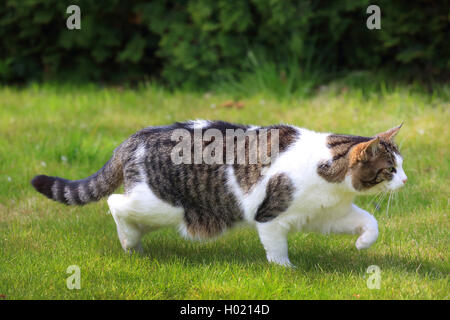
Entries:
{"x":378,"y":199}
{"x":389,"y":202}
{"x":392,"y":199}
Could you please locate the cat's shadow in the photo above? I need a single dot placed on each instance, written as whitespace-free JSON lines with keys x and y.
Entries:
{"x":306,"y":258}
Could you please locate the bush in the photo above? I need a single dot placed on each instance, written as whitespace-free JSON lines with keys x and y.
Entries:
{"x":36,"y":45}
{"x":197,"y":42}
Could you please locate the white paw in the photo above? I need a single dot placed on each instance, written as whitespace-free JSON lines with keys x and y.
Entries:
{"x":282,"y":261}
{"x":366,"y":239}
{"x":361,"y":244}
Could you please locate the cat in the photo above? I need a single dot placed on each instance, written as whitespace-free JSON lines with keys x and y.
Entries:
{"x":309,"y":184}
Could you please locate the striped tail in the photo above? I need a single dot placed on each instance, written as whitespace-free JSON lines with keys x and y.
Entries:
{"x":80,"y":192}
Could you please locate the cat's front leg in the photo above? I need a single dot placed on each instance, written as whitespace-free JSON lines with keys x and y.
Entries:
{"x":360,"y":222}
{"x":273,"y":236}
{"x":368,"y":230}
{"x":369,"y":235}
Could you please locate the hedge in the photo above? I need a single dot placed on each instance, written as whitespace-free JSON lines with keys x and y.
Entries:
{"x":202,"y":41}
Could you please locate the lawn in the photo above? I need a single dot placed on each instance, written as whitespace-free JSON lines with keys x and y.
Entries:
{"x":71,"y":132}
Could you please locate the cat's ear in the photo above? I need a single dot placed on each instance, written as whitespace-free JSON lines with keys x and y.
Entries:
{"x":364,"y":150}
{"x":390,"y":134}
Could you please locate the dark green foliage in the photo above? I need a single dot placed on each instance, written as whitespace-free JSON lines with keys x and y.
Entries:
{"x":35,"y":43}
{"x":197,"y":42}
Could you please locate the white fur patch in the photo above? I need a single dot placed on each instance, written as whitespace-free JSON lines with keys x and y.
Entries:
{"x":198,"y":124}
{"x":142,"y":206}
{"x":140,"y":156}
{"x":399,"y":178}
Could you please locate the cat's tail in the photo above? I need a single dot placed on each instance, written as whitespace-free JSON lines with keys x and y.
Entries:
{"x":80,"y":192}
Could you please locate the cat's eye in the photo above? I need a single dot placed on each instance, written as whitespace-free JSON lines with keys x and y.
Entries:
{"x":392,"y":170}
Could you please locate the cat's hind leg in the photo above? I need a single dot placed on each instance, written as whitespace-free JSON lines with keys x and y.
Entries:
{"x":129,"y":232}
{"x":357,"y":221}
{"x":140,"y":211}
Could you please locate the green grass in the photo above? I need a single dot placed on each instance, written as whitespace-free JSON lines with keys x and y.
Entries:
{"x":71,"y":132}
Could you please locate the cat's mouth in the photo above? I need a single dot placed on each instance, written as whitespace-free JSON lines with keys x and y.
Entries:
{"x":383,"y":187}
{"x":395,"y":187}
{"x":396,"y":183}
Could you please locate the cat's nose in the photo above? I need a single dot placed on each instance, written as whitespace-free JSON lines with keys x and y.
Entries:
{"x":404,"y":180}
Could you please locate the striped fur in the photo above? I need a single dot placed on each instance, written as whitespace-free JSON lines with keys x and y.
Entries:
{"x":200,"y":189}
{"x":80,"y":192}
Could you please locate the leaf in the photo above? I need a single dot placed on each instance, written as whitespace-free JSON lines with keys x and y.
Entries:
{"x":133,"y":51}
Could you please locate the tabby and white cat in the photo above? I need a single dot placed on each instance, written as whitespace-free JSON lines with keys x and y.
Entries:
{"x":309,"y":185}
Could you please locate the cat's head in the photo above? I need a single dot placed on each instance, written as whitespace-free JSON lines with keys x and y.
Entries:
{"x":376,"y":165}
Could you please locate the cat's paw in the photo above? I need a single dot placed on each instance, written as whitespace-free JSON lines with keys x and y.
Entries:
{"x":366,"y":239}
{"x":281,"y":261}
{"x":361,"y":244}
